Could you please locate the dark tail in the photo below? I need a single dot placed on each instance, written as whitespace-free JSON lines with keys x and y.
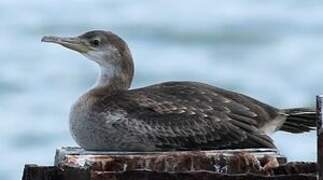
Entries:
{"x":299,"y":120}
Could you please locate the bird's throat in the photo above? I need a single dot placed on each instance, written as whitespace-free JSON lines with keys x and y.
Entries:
{"x":107,"y":76}
{"x":113,"y":78}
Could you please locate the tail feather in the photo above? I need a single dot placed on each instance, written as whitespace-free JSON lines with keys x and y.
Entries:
{"x":299,"y":120}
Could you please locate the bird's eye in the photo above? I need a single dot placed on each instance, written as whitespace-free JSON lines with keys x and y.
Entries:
{"x":95,"y":43}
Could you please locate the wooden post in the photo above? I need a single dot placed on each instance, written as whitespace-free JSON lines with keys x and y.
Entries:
{"x":319,"y":103}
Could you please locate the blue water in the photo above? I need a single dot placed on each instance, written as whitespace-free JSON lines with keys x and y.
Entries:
{"x":270,"y":50}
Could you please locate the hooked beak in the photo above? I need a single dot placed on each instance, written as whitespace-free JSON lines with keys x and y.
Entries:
{"x":73,"y":43}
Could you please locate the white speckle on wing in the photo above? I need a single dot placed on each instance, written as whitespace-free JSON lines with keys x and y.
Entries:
{"x":227,"y":100}
{"x":114,"y":117}
{"x":226,"y":109}
{"x":205,"y":115}
{"x":254,"y":114}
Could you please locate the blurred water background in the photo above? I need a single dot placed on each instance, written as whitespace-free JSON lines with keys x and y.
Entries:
{"x":270,"y":50}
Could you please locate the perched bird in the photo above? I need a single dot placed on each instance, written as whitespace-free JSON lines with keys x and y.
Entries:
{"x":167,"y":116}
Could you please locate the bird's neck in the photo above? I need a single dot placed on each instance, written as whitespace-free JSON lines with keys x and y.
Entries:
{"x":114,"y":77}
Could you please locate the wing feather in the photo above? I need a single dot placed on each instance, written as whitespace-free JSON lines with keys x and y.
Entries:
{"x":186,"y":115}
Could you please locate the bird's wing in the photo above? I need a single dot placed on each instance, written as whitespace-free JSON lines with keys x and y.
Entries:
{"x":187,"y":115}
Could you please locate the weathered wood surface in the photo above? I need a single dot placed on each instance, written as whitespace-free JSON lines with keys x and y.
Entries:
{"x":218,"y":161}
{"x":244,"y":164}
{"x":33,"y":172}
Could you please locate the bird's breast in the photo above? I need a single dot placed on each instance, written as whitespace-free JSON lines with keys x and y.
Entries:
{"x":105,"y":129}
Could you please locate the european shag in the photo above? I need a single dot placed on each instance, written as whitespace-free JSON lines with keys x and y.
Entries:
{"x":166,"y":116}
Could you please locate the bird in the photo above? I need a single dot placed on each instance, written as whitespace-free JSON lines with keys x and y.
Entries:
{"x":169,"y":116}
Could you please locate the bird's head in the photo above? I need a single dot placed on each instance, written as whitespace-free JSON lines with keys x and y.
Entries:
{"x":103,"y":47}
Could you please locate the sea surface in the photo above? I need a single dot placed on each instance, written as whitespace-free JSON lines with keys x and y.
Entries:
{"x":270,"y":50}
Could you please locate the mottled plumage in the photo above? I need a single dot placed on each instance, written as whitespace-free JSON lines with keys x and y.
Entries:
{"x":167,"y":116}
